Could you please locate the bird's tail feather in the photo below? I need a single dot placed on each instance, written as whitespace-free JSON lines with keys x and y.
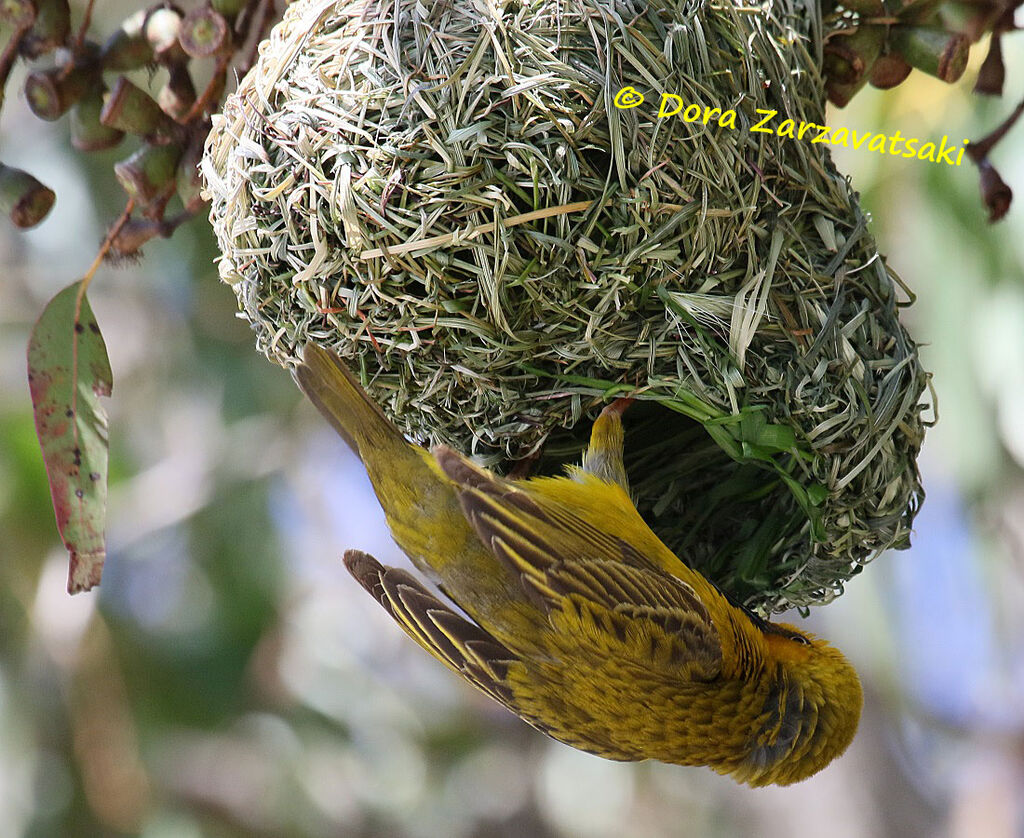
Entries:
{"x":455,"y":641}
{"x":327,"y":382}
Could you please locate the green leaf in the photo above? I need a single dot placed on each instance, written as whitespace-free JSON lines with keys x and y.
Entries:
{"x":605,"y":388}
{"x":775,"y":438}
{"x":68,"y":370}
{"x":816,"y":494}
{"x":808,"y":504}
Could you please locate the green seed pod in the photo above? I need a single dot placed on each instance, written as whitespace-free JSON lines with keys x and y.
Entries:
{"x":162,"y":28}
{"x":935,"y":51}
{"x":129,"y":240}
{"x":179,"y":94}
{"x":848,"y":58}
{"x":204,"y":32}
{"x":50,"y":93}
{"x":229,"y":8}
{"x":149,"y":172}
{"x":87,"y":132}
{"x":128,"y":48}
{"x":889,"y":71}
{"x":840,"y":94}
{"x":132,"y":110}
{"x":50,"y":30}
{"x":23,"y":198}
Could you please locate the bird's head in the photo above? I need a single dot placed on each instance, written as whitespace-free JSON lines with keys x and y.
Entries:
{"x":812,"y":713}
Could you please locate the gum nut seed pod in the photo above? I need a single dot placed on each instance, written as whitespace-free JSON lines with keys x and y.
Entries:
{"x":134,"y":234}
{"x":149,"y":172}
{"x":50,"y":29}
{"x":179,"y":94}
{"x":204,"y":32}
{"x":935,"y":51}
{"x":889,"y":71}
{"x":162,"y":28}
{"x":132,"y":110}
{"x":840,"y":94}
{"x":128,"y":48}
{"x":87,"y":132}
{"x":23,"y":198}
{"x":50,"y":93}
{"x":229,"y":8}
{"x":849,"y":58}
{"x":994,"y":191}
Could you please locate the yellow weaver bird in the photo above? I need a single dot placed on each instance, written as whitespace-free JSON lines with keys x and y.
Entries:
{"x":580,"y":621}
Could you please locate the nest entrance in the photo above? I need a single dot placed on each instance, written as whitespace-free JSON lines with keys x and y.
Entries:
{"x":722,"y":517}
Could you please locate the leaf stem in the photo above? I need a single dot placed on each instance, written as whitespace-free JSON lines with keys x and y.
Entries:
{"x":104,"y":249}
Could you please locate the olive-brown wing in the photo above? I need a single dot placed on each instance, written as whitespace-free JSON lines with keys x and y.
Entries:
{"x":649,"y":618}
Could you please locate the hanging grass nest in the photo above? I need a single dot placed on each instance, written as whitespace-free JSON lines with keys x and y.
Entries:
{"x":452,"y":197}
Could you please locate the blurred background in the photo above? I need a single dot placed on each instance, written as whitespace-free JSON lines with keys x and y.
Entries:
{"x":228,"y":678}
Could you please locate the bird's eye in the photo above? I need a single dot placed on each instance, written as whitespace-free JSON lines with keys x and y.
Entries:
{"x":799,"y":638}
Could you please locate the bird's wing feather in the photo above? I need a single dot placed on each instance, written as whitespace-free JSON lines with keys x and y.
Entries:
{"x":455,"y":641}
{"x":510,"y":505}
{"x":567,"y":565}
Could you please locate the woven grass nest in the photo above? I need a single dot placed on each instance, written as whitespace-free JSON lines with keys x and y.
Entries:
{"x":446,"y":194}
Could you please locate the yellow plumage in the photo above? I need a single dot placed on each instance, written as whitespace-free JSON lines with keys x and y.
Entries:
{"x":581,"y":621}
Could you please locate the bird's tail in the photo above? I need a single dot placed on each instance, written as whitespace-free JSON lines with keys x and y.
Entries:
{"x":420,"y":502}
{"x":327,"y":382}
{"x":421,"y":507}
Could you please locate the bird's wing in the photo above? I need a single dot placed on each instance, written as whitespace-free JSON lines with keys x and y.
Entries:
{"x":455,"y":641}
{"x":517,"y":505}
{"x":466,"y":649}
{"x":595,"y":579}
